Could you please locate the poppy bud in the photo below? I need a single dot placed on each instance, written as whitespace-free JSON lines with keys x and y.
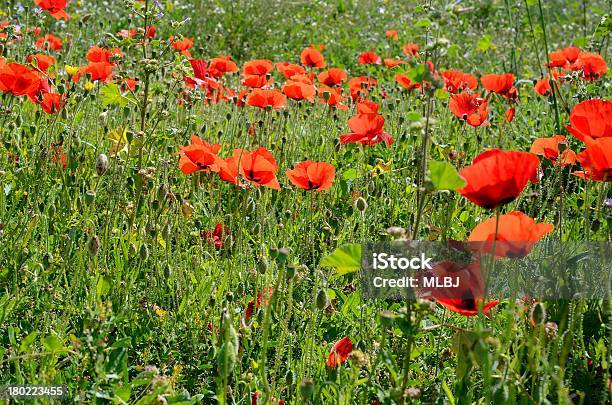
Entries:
{"x":306,"y":389}
{"x":361,"y":205}
{"x":94,"y":245}
{"x":187,"y":209}
{"x":551,"y":329}
{"x":262,"y":265}
{"x":144,"y":251}
{"x":132,"y":249}
{"x":321,"y":299}
{"x":358,"y":358}
{"x":289,"y":378}
{"x":229,"y":296}
{"x":537,"y":314}
{"x":101,"y":164}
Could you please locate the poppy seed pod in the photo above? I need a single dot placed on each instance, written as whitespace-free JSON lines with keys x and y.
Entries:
{"x":90,"y":196}
{"x":361,"y":205}
{"x":306,"y":389}
{"x":290,"y":273}
{"x":101,"y":164}
{"x":94,"y":245}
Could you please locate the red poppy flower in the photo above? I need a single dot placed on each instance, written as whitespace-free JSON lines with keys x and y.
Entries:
{"x":309,"y":175}
{"x":49,"y":42}
{"x":221,"y":65}
{"x":257,"y":67}
{"x":182,"y":45}
{"x":542,"y":87}
{"x":258,"y":167}
{"x":367,"y":107}
{"x":411,"y":49}
{"x":311,"y":57}
{"x":52,"y":103}
{"x":41,"y":61}
{"x":369,"y":58}
{"x":591,"y":119}
{"x":496,"y":177}
{"x":392,"y":34}
{"x":266,"y":98}
{"x":54,"y":7}
{"x":129,"y":84}
{"x":391,"y":63}
{"x":262,"y":297}
{"x":97,"y":54}
{"x":406,"y":83}
{"x":298,"y":90}
{"x":517,"y":233}
{"x":340,"y":352}
{"x":565,"y":58}
{"x":367,"y":130}
{"x":19,"y":80}
{"x":305,"y":78}
{"x":501,"y":84}
{"x":98,"y":71}
{"x":217,"y":237}
{"x":199,"y":156}
{"x":456,"y":81}
{"x":332,"y":77}
{"x":593,"y":66}
{"x":256,"y":81}
{"x":509,"y":114}
{"x":361,"y":86}
{"x":596,"y":160}
{"x":467,"y":297}
{"x":332,"y":96}
{"x":289,"y":69}
{"x":470,"y":108}
{"x":549,"y":148}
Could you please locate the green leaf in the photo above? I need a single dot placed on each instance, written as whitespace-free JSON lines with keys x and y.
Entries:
{"x":103,"y":285}
{"x":27,"y":341}
{"x":413,"y":116}
{"x":441,"y":94}
{"x":110,"y":94}
{"x":417,"y":74}
{"x":423,"y":23}
{"x":123,"y":392}
{"x":444,"y":176}
{"x":346,"y":259}
{"x":484,"y":43}
{"x":53,"y":344}
{"x":350,"y":174}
